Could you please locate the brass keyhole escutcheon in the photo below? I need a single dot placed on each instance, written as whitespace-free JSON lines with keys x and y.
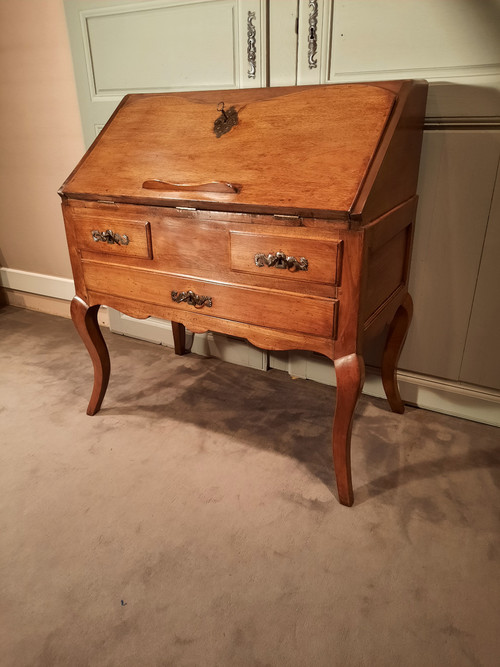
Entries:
{"x":227,"y":120}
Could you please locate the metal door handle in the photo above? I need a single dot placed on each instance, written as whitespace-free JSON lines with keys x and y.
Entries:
{"x":313,"y":35}
{"x":251,"y":46}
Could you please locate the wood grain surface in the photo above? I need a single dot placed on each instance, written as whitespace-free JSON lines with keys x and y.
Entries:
{"x":325,"y":175}
{"x":305,"y":149}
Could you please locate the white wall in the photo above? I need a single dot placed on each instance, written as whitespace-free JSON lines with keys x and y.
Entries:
{"x":40,"y":134}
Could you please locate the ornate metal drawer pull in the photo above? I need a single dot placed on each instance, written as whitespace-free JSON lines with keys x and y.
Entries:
{"x":313,"y":34}
{"x":251,"y":46}
{"x":192,"y":299}
{"x":110,"y":237}
{"x":280,"y":260}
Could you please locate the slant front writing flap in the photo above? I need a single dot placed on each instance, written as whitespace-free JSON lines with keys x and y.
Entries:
{"x":302,"y":149}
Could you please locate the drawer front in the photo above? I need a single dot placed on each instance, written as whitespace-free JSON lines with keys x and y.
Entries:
{"x":263,"y":307}
{"x":114,"y":236}
{"x":275,"y":256}
{"x":208,"y":248}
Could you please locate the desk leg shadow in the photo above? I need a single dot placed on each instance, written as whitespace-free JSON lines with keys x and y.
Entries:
{"x":349,"y":370}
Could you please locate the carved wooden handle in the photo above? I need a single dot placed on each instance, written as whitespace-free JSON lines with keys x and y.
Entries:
{"x":213,"y":186}
{"x":191,"y":299}
{"x":279,"y":260}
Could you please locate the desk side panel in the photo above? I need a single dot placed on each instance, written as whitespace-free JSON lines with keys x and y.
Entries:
{"x":393,"y":174}
{"x":74,"y":253}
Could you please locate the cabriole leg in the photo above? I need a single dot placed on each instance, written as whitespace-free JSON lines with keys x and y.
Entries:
{"x":350,"y":373}
{"x":85,"y":320}
{"x":394,"y":344}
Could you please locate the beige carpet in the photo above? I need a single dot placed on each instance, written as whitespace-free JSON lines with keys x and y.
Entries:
{"x":193,"y":521}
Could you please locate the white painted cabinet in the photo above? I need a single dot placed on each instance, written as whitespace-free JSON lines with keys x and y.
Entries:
{"x":454,"y":44}
{"x":456,"y":184}
{"x":123,"y":46}
{"x":129,"y":46}
{"x":481,"y":359}
{"x":455,"y":278}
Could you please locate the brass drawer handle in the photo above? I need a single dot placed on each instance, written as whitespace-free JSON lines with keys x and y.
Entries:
{"x":192,"y":299}
{"x":110,"y":237}
{"x":280,"y":260}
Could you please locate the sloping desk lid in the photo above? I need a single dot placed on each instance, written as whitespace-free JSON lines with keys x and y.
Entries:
{"x":295,"y":150}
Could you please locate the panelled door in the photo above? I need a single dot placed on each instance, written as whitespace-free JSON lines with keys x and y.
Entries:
{"x":455,"y":45}
{"x":130,"y":46}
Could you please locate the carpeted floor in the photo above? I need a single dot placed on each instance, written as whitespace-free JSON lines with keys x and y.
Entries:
{"x":193,"y":521}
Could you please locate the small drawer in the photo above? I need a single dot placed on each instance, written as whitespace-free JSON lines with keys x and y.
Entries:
{"x":302,"y":259}
{"x":114,"y":236}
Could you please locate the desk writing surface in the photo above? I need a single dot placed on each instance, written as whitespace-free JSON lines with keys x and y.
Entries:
{"x":307,"y":150}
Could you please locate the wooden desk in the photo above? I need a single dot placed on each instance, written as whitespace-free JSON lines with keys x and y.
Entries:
{"x":283,"y":216}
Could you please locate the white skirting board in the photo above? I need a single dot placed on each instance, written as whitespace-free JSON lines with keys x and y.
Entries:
{"x":453,"y":398}
{"x":37,"y":283}
{"x":227,"y":348}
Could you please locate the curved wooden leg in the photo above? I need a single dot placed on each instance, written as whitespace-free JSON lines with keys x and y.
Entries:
{"x":350,"y":373}
{"x":179,"y":331}
{"x":394,"y":344}
{"x":85,"y":320}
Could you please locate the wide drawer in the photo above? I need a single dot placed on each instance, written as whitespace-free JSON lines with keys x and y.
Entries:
{"x":120,"y":237}
{"x":281,"y":256}
{"x":264,"y":307}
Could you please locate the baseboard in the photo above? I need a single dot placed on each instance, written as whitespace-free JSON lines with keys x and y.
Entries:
{"x":37,"y":283}
{"x":38,"y":302}
{"x":45,"y":294}
{"x":446,"y":396}
{"x":226,"y":348}
{"x":451,"y":398}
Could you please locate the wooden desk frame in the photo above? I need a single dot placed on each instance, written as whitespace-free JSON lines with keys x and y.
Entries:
{"x":365,"y":294}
